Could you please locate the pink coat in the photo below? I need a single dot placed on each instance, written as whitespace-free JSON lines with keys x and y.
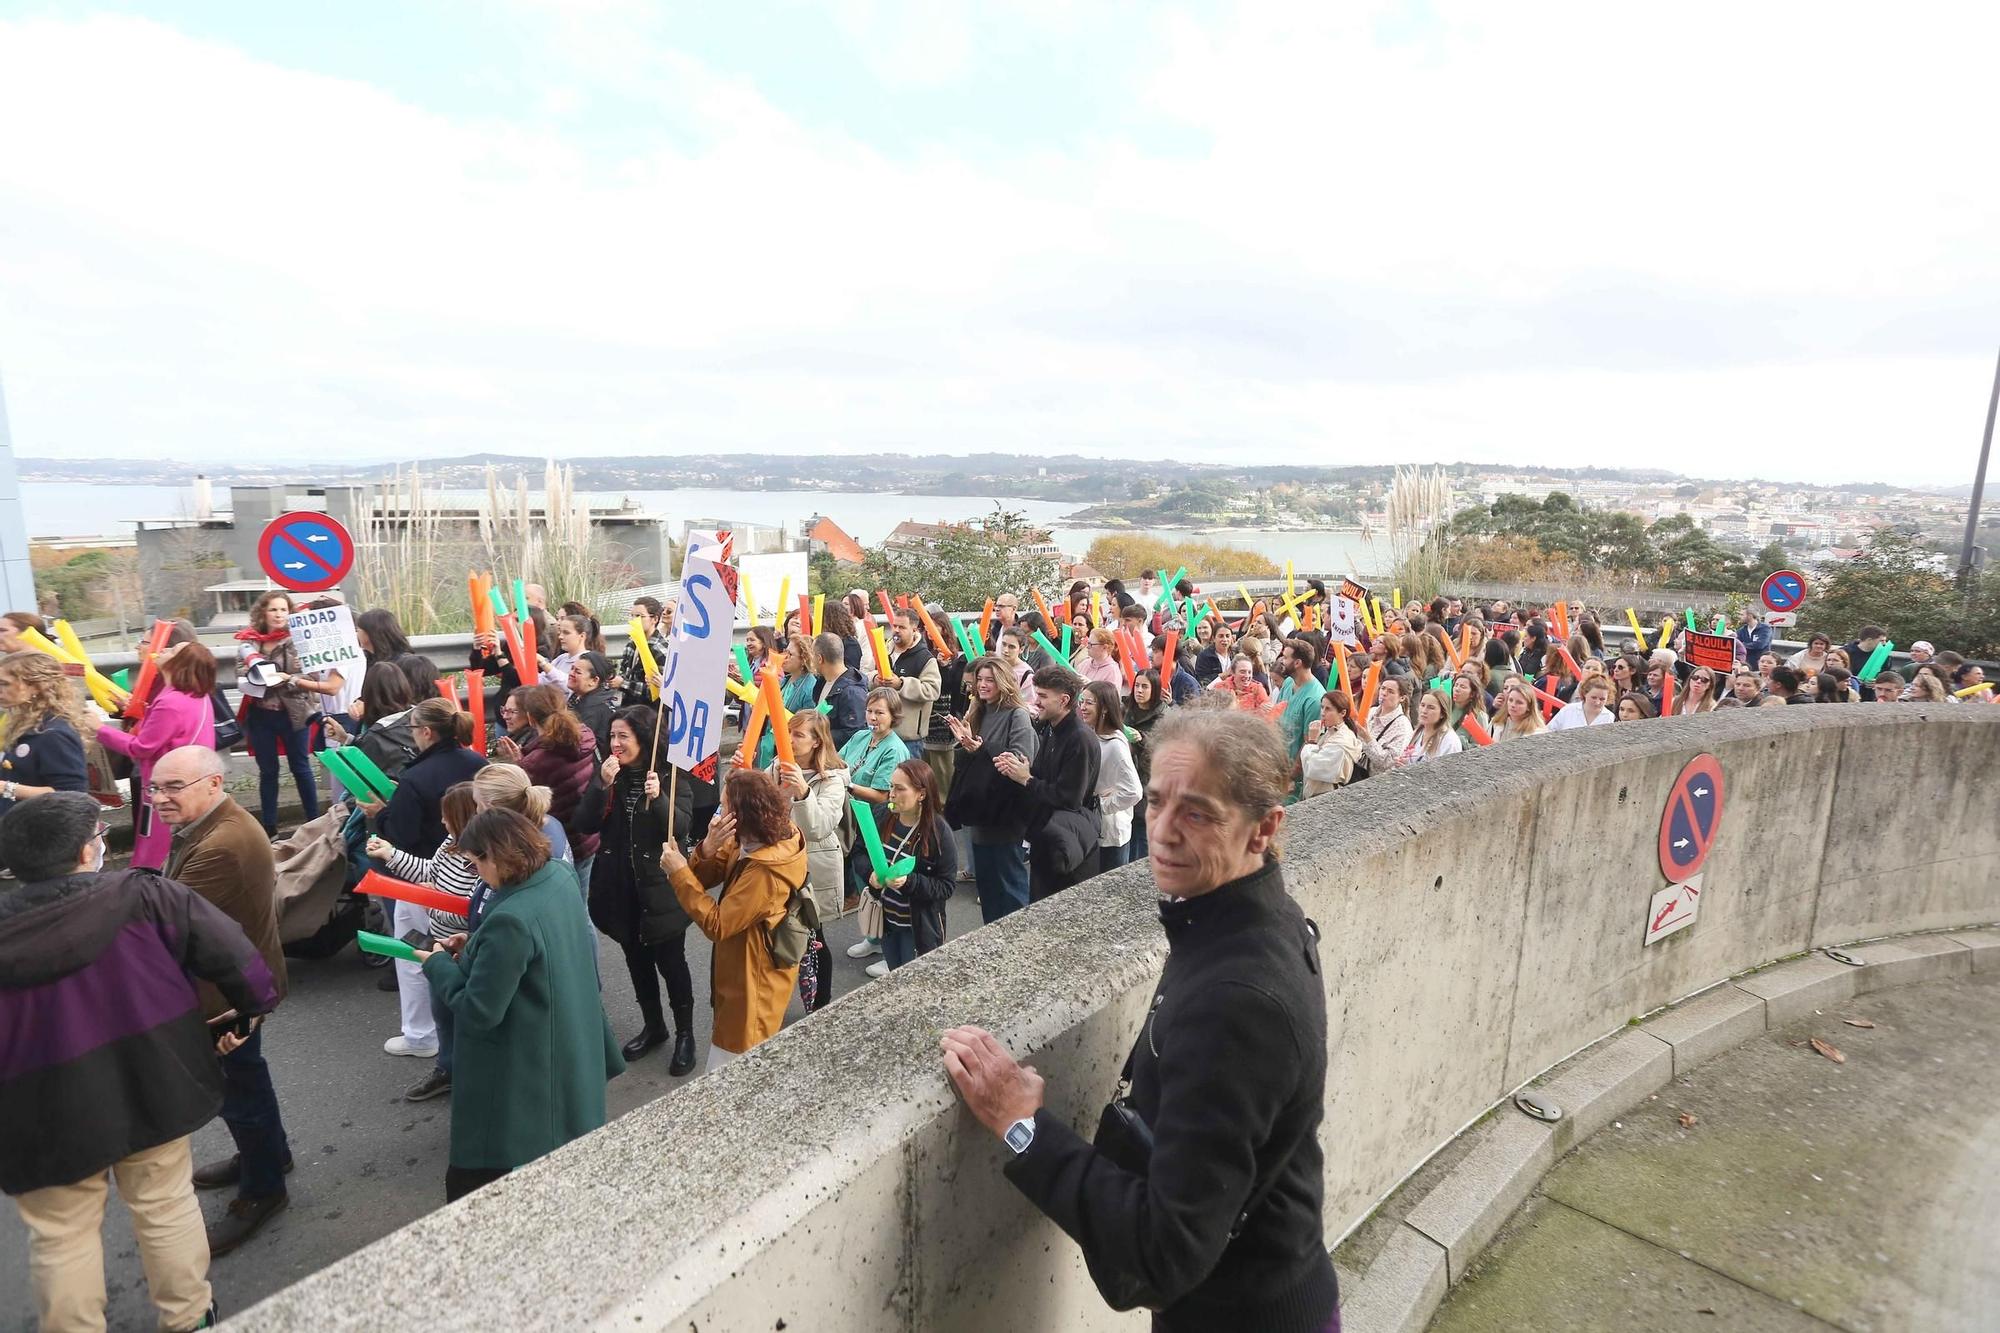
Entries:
{"x":172,"y":720}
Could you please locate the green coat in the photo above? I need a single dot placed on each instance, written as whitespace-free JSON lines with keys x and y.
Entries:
{"x":533,"y":1047}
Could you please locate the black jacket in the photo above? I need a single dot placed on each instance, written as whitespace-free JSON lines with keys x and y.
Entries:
{"x":629,"y":893}
{"x":929,"y":886}
{"x":105,"y":1050}
{"x":849,"y":713}
{"x":412,"y":821}
{"x":1229,"y":1071}
{"x":49,"y":755}
{"x":1064,"y":774}
{"x":594,"y":711}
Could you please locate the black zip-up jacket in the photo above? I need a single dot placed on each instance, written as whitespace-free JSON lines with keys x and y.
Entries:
{"x":104,"y":1052}
{"x":594,"y":711}
{"x":1064,"y":774}
{"x":628,"y":890}
{"x":1230,"y":1073}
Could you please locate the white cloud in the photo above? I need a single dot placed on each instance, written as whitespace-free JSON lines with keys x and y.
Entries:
{"x":1731,"y":242}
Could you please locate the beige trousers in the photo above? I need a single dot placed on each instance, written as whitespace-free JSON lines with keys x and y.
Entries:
{"x":66,"y":1244}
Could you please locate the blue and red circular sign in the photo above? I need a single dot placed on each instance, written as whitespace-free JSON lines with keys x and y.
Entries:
{"x":305,"y":552}
{"x":1689,"y":823}
{"x":1784,"y":590}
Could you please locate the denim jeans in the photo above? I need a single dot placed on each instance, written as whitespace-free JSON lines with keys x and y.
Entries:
{"x":264,"y":728}
{"x":1135,"y":850}
{"x":1110,"y":858}
{"x":899,"y":945}
{"x":1001,"y":871}
{"x":250,"y":1110}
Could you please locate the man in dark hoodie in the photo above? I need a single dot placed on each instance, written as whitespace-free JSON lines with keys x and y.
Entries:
{"x":107,"y":1063}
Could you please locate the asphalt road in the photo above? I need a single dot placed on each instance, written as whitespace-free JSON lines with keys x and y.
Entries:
{"x":368,"y":1161}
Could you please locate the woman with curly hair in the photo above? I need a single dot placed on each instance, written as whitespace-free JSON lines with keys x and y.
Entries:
{"x":45,"y":725}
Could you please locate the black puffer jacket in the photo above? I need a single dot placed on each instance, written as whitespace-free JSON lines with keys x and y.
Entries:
{"x":629,"y":894}
{"x":1229,"y":1071}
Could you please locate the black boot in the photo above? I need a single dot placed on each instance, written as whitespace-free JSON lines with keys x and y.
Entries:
{"x":683,"y":1060}
{"x":651,"y":1035}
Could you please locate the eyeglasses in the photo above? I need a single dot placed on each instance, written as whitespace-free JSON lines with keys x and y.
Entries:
{"x":175,"y":788}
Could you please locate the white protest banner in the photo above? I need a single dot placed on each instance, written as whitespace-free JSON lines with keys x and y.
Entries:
{"x":697,"y":664}
{"x":326,"y":641}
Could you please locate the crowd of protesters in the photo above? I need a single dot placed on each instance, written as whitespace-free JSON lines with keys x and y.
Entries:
{"x":1012,"y":770}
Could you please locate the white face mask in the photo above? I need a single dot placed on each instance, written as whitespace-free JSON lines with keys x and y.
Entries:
{"x":97,"y":852}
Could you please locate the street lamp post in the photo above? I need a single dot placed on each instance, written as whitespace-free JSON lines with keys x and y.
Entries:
{"x":1978,"y":489}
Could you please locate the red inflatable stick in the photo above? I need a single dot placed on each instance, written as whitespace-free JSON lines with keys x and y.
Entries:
{"x":475,"y":702}
{"x":1475,"y":729}
{"x":420,"y":895}
{"x":149,"y":669}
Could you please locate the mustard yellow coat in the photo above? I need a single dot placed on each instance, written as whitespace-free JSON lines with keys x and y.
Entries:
{"x":748,"y":991}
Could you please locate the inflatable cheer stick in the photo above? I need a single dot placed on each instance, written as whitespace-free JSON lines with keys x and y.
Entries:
{"x":417,"y":895}
{"x":370,"y":942}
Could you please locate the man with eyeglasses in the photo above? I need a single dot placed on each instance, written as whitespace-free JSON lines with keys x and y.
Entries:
{"x":108,"y":1068}
{"x":220,"y":851}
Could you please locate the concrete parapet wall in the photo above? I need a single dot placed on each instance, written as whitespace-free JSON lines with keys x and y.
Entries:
{"x":1482,"y":919}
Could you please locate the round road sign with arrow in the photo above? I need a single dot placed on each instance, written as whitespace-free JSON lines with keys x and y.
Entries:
{"x":1784,"y":590}
{"x":1693,"y":813}
{"x":305,"y":552}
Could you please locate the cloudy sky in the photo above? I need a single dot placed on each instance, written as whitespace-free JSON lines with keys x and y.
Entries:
{"x":1724,"y":239}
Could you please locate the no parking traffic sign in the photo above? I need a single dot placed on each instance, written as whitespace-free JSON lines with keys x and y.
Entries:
{"x":1784,"y":590}
{"x":305,"y":552}
{"x":1689,"y":823}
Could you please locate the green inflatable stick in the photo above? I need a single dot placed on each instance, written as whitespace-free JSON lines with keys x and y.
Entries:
{"x":1048,"y":647}
{"x":336,"y":765}
{"x":368,"y":771}
{"x":968,"y":639}
{"x":1067,"y":628}
{"x":384,"y":945}
{"x":1876,"y":660}
{"x":493,"y":596}
{"x":872,"y":837}
{"x":743,"y":665}
{"x":1691,"y":624}
{"x":521,"y":600}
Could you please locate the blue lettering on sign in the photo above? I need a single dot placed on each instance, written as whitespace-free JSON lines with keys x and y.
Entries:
{"x":697,"y":631}
{"x":698,"y":729}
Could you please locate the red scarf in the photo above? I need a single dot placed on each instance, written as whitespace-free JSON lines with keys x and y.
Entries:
{"x":262,"y":638}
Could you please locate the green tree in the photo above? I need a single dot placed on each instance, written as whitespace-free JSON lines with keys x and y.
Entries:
{"x":966,"y":563}
{"x":1769,"y":560}
{"x":1687,"y":557}
{"x":1896,"y":584}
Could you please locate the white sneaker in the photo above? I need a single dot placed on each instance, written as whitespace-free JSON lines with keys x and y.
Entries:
{"x":878,"y":968}
{"x":864,"y":948}
{"x":401,"y":1045}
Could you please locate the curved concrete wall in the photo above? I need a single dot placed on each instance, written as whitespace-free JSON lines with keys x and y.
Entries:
{"x":1482,"y":919}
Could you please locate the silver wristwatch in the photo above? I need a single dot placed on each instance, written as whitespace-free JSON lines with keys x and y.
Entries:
{"x":1020,"y":1135}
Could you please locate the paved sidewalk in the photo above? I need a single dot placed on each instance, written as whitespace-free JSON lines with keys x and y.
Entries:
{"x":1805,"y":1194}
